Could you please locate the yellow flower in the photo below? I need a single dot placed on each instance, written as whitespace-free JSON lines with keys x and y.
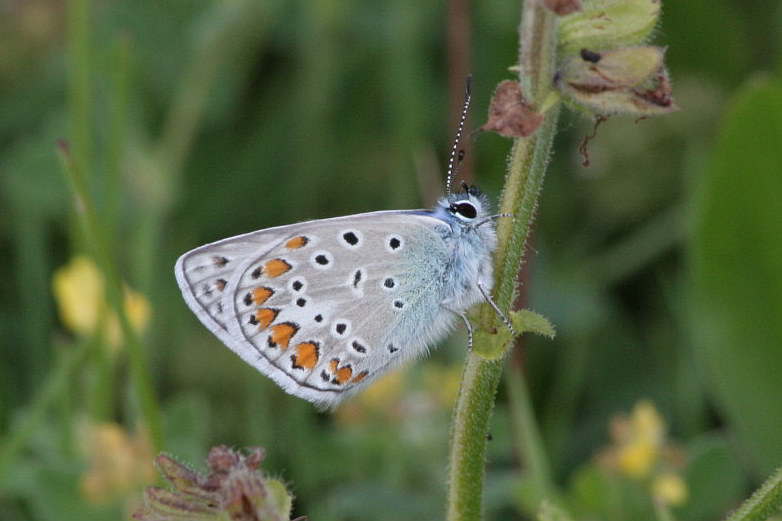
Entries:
{"x":639,"y":452}
{"x":78,"y":288}
{"x":647,"y":422}
{"x":637,"y":459}
{"x":670,"y":488}
{"x":79,"y":292}
{"x":119,"y":463}
{"x":138,"y":311}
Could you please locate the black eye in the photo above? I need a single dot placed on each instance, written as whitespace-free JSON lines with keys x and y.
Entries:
{"x":465,"y":210}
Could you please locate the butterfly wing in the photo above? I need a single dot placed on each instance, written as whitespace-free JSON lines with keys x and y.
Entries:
{"x":323,"y":307}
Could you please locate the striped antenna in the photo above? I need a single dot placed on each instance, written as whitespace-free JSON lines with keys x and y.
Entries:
{"x":451,"y":161}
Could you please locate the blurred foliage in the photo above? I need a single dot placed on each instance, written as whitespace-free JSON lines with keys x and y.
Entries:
{"x":659,"y":264}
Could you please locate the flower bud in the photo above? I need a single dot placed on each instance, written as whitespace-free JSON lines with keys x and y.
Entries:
{"x":629,"y":80}
{"x":233,"y":489}
{"x":604,"y":24}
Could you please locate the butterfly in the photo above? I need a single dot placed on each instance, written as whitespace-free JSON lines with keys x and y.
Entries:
{"x":325,"y":307}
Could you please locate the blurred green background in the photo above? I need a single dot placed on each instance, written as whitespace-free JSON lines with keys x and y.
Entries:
{"x":660,"y":264}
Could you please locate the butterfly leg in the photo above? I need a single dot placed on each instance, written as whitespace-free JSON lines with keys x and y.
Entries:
{"x":500,"y":313}
{"x":466,"y":323}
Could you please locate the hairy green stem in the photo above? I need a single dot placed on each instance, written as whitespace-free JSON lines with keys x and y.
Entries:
{"x":525,"y":177}
{"x":469,"y":437}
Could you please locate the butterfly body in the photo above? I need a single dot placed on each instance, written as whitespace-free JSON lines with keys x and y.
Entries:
{"x":324,"y":307}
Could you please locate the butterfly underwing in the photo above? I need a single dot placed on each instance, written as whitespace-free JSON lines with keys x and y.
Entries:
{"x":324,"y":307}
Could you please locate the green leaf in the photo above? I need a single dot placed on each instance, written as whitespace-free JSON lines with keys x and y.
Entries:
{"x":737,"y":271}
{"x":526,"y":321}
{"x":493,"y":345}
{"x":714,"y":479}
{"x":764,"y":503}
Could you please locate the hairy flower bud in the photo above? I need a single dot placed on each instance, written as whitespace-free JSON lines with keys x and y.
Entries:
{"x":605,"y":24}
{"x":630,"y":80}
{"x":233,"y":489}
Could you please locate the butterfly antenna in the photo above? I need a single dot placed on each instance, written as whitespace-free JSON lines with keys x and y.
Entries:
{"x":458,"y":155}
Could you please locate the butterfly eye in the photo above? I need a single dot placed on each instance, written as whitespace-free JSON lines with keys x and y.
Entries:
{"x":465,"y":210}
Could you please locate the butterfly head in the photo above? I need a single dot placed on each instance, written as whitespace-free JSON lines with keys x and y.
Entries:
{"x":469,"y":209}
{"x":466,"y":206}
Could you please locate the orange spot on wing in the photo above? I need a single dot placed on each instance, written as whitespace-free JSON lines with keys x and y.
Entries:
{"x":360,"y":376}
{"x":276,"y":267}
{"x":265,"y":316}
{"x":261,"y":294}
{"x":333,"y":365}
{"x":282,"y":334}
{"x":297,"y":242}
{"x":306,"y":355}
{"x":343,"y":374}
{"x":220,"y":284}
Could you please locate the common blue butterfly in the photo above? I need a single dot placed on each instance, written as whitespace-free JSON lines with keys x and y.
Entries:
{"x":324,"y":307}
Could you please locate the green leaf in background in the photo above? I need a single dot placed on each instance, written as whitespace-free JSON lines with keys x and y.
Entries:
{"x":714,"y":478}
{"x":737,"y":271}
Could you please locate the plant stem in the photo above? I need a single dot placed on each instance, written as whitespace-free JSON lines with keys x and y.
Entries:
{"x":530,"y":445}
{"x":79,"y":67}
{"x":95,"y":235}
{"x":469,"y":437}
{"x":525,"y":178}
